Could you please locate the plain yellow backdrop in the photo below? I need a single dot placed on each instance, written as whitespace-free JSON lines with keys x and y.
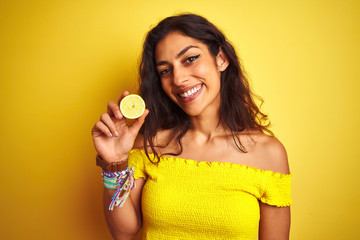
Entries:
{"x":62,"y":61}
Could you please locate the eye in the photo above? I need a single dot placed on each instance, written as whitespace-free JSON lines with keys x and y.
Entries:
{"x":164,"y":72}
{"x":191,"y":59}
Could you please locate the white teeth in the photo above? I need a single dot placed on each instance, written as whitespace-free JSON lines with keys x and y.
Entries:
{"x":190,"y":92}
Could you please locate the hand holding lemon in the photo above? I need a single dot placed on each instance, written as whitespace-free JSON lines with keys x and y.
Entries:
{"x":114,"y":135}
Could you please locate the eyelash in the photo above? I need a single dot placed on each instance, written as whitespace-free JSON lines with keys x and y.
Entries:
{"x":163,"y":72}
{"x":192,"y":58}
{"x":187,"y":60}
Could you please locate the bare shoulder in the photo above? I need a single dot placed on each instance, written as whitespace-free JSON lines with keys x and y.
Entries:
{"x":271,"y":153}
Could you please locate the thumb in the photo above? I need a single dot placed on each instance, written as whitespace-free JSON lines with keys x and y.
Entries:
{"x":139,"y":122}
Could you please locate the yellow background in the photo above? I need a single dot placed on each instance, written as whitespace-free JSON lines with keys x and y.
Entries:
{"x":62,"y":61}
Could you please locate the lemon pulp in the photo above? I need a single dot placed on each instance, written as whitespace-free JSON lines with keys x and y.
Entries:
{"x":132,"y":106}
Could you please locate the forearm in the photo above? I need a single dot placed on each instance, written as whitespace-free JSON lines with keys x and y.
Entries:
{"x":124,"y":222}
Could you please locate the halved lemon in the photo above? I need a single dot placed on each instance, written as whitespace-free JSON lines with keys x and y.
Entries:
{"x":132,"y":106}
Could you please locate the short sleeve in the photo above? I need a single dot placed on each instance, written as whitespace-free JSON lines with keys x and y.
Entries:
{"x":276,"y":189}
{"x":137,"y":160}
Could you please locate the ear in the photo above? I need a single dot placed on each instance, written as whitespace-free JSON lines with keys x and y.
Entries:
{"x":222,"y":61}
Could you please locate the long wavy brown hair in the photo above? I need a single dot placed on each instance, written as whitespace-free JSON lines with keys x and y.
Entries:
{"x":238,"y":109}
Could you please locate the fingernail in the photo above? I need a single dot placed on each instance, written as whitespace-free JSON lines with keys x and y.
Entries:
{"x":116,"y":133}
{"x":110,"y":134}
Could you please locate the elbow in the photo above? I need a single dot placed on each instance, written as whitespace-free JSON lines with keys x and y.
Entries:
{"x":125,"y":235}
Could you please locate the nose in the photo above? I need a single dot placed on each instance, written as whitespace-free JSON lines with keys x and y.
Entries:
{"x":180,"y":76}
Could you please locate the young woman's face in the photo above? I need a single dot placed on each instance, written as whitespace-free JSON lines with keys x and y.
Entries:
{"x":189,"y":74}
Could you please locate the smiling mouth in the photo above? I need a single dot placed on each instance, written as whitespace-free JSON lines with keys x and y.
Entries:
{"x":191,"y":92}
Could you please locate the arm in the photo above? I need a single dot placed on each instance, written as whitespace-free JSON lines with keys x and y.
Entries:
{"x":125,"y":222}
{"x":113,"y":140}
{"x":274,"y":222}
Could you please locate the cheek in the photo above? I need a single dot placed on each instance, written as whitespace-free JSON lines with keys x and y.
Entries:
{"x":206,"y":69}
{"x":166,"y":87}
{"x":201,"y":69}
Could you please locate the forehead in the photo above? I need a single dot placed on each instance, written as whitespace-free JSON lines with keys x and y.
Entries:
{"x":175,"y":42}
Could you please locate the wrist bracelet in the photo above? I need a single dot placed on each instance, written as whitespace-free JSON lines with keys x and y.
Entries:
{"x":121,"y":181}
{"x":113,"y":166}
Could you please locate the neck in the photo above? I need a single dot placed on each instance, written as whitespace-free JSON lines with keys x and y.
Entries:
{"x":205,"y":127}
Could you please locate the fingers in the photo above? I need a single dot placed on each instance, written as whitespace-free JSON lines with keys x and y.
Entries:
{"x":100,"y":126}
{"x":107,"y":126}
{"x":122,"y":96}
{"x":114,"y":110}
{"x":139,"y":122}
{"x":106,"y":119}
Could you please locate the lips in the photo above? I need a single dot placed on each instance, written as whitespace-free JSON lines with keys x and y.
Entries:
{"x":189,"y":94}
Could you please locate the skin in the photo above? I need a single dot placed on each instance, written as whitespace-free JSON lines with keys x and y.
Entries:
{"x":185,"y":63}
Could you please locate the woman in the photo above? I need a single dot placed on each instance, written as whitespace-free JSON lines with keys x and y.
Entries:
{"x":204,"y":167}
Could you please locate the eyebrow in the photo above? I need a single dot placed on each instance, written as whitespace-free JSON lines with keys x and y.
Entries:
{"x":182,"y":52}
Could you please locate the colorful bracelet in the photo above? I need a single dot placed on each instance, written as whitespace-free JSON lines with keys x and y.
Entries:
{"x":121,"y":181}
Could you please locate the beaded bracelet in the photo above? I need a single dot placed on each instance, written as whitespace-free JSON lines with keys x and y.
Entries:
{"x":121,"y":181}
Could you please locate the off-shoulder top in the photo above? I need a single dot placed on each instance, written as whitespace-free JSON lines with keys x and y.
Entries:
{"x":187,"y":199}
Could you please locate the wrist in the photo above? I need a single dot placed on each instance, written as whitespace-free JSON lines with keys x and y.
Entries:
{"x":116,"y":166}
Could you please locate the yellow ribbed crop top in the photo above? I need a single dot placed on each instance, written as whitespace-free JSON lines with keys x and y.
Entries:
{"x":187,"y":199}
